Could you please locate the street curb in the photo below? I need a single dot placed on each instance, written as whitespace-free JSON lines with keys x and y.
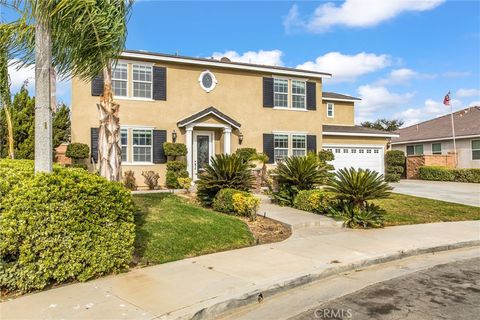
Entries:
{"x":239,"y":300}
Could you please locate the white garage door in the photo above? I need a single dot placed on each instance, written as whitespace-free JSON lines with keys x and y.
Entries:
{"x":359,"y":157}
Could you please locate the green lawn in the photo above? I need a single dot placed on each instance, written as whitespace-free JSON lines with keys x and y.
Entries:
{"x":169,"y":228}
{"x":403,"y":209}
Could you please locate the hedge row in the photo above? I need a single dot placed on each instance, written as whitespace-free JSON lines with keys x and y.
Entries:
{"x":446,"y":174}
{"x":64,"y":226}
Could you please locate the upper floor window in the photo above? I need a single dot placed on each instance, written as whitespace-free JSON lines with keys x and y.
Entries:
{"x":436,"y":148}
{"x":142,"y":81}
{"x":416,"y":150}
{"x":298,"y":94}
{"x":289,"y":93}
{"x":280,"y":93}
{"x":142,"y":145}
{"x":120,"y":79}
{"x":475,"y":149}
{"x":330,"y":110}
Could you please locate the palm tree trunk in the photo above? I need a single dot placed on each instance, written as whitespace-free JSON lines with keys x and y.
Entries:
{"x":43,"y":113}
{"x":109,"y":151}
{"x":10,"y":140}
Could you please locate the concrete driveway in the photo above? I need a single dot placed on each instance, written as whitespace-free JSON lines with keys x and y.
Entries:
{"x":464,"y":193}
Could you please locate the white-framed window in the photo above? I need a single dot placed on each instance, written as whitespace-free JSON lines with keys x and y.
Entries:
{"x":361,"y":150}
{"x":337,"y":150}
{"x":142,"y":81}
{"x":354,"y":150}
{"x":345,"y":150}
{"x":299,"y":145}
{"x":416,"y":150}
{"x":280,"y":147}
{"x":330,"y":110}
{"x":437,"y":148}
{"x":120,"y":79}
{"x":280,"y":93}
{"x":207,"y":80}
{"x":299,"y":94}
{"x":475,"y":149}
{"x":376,"y":151}
{"x":142,"y":145}
{"x":124,"y":144}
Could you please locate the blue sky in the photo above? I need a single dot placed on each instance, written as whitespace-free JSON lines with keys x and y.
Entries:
{"x":400,"y":57}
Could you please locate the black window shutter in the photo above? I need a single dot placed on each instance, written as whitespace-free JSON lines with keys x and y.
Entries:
{"x":268,"y":92}
{"x":97,"y":85}
{"x":159,"y":137}
{"x":268,"y":147}
{"x":312,"y":143}
{"x":159,"y":83}
{"x":311,"y":96}
{"x":94,"y":144}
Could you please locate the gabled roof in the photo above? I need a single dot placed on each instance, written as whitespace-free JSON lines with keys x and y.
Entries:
{"x":467,"y":123}
{"x":338,"y":96}
{"x":205,"y":112}
{"x":333,"y":130}
{"x":224,"y":63}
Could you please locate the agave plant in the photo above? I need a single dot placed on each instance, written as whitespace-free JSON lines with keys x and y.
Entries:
{"x":298,"y":173}
{"x":358,"y":186}
{"x":225,"y":171}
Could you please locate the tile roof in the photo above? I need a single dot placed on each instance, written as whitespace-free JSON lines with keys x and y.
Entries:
{"x":467,"y":123}
{"x":355,"y":130}
{"x":207,"y":111}
{"x":332,"y":95}
{"x":225,"y":62}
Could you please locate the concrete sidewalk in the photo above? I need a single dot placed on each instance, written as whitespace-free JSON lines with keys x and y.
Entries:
{"x":204,"y":286}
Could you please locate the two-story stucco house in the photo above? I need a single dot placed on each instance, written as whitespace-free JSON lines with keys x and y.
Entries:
{"x":217,"y":106}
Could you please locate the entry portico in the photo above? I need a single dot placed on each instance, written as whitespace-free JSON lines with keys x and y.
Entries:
{"x":202,"y":130}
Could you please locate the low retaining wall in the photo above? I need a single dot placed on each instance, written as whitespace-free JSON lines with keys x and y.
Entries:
{"x":415,"y":162}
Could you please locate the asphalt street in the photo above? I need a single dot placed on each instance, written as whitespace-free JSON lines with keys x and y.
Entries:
{"x":447,"y":291}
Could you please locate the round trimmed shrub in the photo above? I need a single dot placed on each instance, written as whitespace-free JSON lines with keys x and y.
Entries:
{"x":172,"y":149}
{"x":68,"y":225}
{"x":223,"y":201}
{"x":77,"y":151}
{"x":315,"y":200}
{"x":395,"y":158}
{"x":176,"y":165}
{"x":392,"y":177}
{"x":395,"y":170}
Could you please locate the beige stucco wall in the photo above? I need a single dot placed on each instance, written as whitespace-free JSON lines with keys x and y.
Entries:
{"x":464,"y":150}
{"x":345,"y":140}
{"x":238,"y":94}
{"x":344,"y":113}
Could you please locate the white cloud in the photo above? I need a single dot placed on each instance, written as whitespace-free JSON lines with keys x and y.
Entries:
{"x":355,"y":13}
{"x":403,"y":76}
{"x":474,"y":104}
{"x":347,"y":67}
{"x":268,"y":57}
{"x":430,"y":109}
{"x":374,"y":98}
{"x":462,"y":93}
{"x":18,"y":78}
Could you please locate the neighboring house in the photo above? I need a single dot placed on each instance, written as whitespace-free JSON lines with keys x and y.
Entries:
{"x":435,"y":137}
{"x":217,"y":106}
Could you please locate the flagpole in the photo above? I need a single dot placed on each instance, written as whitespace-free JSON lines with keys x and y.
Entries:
{"x":453,"y":133}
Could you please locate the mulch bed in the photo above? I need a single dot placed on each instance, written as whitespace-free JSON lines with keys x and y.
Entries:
{"x":266,"y":230}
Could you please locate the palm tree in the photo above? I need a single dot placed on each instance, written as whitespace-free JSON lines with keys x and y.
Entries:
{"x":76,"y":38}
{"x":358,"y":186}
{"x":5,"y":99}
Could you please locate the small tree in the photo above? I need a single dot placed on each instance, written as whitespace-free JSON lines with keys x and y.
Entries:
{"x":395,"y":161}
{"x":384,"y":124}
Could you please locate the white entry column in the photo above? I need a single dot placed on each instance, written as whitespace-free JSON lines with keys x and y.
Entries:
{"x":189,"y":131}
{"x":227,"y":133}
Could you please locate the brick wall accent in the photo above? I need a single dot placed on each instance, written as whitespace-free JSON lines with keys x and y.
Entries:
{"x":414,"y":162}
{"x":60,"y":156}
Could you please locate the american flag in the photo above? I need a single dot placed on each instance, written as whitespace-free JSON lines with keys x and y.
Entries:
{"x":446,"y":100}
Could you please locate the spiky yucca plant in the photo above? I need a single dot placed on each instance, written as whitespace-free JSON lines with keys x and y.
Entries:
{"x":371,"y":216}
{"x":225,"y":171}
{"x":358,"y":186}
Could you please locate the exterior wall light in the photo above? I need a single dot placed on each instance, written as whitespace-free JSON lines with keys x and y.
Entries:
{"x":174,"y":136}
{"x":240,"y":138}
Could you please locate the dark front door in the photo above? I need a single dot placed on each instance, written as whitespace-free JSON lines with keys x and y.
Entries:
{"x":203,"y":152}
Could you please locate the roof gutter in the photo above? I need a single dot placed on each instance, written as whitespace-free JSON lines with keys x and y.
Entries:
{"x":219,"y":64}
{"x":436,"y":139}
{"x":346,"y":134}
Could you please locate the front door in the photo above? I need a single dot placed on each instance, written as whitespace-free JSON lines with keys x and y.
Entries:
{"x":202,"y":151}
